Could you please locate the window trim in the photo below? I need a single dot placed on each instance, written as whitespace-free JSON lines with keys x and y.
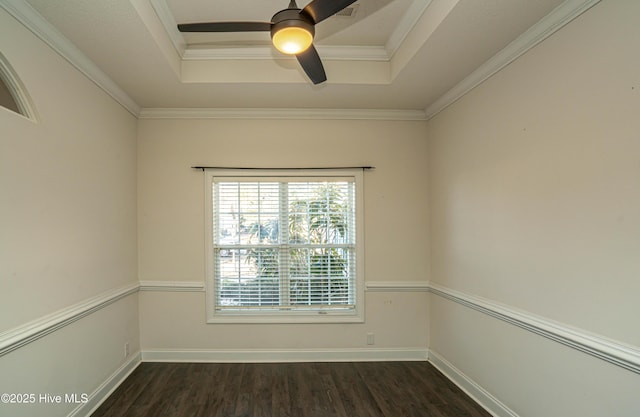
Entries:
{"x":16,"y":90}
{"x":325,"y":316}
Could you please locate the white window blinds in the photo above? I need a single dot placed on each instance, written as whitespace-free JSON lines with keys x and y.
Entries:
{"x":283,"y":244}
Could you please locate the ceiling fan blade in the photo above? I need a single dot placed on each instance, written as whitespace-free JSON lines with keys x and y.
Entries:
{"x":319,"y":10}
{"x":225,"y":27}
{"x":312,"y":65}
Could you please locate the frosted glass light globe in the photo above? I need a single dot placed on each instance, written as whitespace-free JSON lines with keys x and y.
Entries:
{"x":292,"y":40}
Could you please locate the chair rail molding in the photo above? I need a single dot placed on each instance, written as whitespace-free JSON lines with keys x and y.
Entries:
{"x":179,"y":286}
{"x":612,"y":351}
{"x":370,"y":286}
{"x":397,"y":286}
{"x":35,"y":329}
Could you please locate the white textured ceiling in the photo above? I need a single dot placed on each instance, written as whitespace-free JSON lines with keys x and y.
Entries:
{"x":393,"y":54}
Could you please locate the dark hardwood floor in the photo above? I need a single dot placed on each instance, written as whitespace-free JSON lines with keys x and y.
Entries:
{"x":353,"y":389}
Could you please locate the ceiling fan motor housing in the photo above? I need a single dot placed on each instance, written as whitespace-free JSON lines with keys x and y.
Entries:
{"x":291,"y":18}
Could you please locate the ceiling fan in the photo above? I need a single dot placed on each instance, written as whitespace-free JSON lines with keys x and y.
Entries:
{"x":292,"y":31}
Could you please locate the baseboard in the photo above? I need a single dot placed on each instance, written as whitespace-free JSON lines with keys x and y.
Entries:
{"x":97,"y":397}
{"x":285,"y":355}
{"x":470,"y":387}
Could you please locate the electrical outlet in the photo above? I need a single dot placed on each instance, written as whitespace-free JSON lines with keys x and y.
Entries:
{"x":126,"y":350}
{"x":371,"y":339}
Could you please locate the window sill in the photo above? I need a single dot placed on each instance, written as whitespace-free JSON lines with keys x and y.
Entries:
{"x":285,"y":318}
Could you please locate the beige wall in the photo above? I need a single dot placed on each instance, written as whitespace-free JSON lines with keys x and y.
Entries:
{"x":171,"y":221}
{"x":535,"y":204}
{"x":68,"y":215}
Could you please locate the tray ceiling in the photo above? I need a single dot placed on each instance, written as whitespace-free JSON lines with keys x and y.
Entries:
{"x":412,"y":55}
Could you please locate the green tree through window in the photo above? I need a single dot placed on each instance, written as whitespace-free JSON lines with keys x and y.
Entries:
{"x":282,"y":247}
{"x":318,"y":272}
{"x":307,"y":264}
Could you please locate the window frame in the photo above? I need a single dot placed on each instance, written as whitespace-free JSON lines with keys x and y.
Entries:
{"x":355,"y":315}
{"x":16,"y":91}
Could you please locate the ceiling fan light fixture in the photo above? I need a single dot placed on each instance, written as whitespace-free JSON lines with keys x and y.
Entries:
{"x":292,"y":40}
{"x":292,"y":31}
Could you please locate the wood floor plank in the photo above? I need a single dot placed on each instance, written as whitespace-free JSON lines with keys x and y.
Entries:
{"x":280,"y":394}
{"x":357,"y":399}
{"x":358,"y":389}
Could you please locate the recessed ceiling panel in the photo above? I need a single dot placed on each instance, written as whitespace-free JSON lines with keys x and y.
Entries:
{"x":366,"y":22}
{"x":131,"y":42}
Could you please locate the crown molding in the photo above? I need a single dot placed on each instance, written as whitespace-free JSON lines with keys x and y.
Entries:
{"x":167,"y":20}
{"x":407,"y":23}
{"x":551,"y":23}
{"x":329,"y":53}
{"x":33,"y":21}
{"x":280,"y":113}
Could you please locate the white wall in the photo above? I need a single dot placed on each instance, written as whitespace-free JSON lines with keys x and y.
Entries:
{"x":171,"y":222}
{"x":68,"y":221}
{"x":535,"y":204}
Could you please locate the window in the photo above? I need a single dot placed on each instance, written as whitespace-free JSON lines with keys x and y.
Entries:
{"x":6,"y":99}
{"x":13,"y":95}
{"x":283,"y":247}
